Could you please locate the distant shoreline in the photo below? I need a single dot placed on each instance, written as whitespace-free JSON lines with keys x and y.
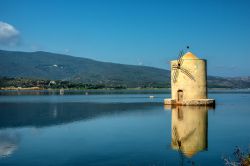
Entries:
{"x":40,"y":91}
{"x":20,"y":88}
{"x":39,"y":88}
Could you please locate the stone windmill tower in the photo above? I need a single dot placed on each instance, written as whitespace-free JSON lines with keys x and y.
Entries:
{"x":189,"y":81}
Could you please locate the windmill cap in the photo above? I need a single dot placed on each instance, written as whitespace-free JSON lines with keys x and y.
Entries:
{"x":189,"y":55}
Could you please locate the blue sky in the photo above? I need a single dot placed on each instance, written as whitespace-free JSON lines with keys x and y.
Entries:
{"x":139,"y":32}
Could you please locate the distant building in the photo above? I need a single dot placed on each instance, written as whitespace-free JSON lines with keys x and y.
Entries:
{"x":189,"y":81}
{"x":52,"y":83}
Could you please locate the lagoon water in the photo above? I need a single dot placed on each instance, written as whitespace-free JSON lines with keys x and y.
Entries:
{"x":120,"y":129}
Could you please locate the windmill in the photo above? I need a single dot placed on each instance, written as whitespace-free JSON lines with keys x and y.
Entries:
{"x":179,"y":68}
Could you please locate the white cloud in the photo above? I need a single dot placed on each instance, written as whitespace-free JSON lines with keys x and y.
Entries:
{"x":9,"y":35}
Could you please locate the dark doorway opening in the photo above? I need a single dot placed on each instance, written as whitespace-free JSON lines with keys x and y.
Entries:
{"x":180,"y":95}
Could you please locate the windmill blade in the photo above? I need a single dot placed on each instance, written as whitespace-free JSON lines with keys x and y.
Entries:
{"x":177,"y":142}
{"x":174,"y":66}
{"x":185,"y":71}
{"x":176,"y":136}
{"x":175,"y":75}
{"x":175,"y":133}
{"x":180,"y":54}
{"x":180,"y":60}
{"x":183,"y":139}
{"x":187,"y":74}
{"x":179,"y":57}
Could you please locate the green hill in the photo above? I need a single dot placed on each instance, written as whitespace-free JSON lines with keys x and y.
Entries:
{"x":50,"y":66}
{"x":45,"y":65}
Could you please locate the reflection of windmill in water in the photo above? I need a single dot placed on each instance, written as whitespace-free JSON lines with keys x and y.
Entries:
{"x":177,"y":141}
{"x":189,"y":129}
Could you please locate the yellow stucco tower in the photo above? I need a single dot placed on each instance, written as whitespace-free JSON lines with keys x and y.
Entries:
{"x":189,"y":81}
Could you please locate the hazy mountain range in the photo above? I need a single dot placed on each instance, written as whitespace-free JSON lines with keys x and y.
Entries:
{"x":45,"y":65}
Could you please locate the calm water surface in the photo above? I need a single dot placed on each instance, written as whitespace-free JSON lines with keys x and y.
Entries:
{"x":120,"y":129}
